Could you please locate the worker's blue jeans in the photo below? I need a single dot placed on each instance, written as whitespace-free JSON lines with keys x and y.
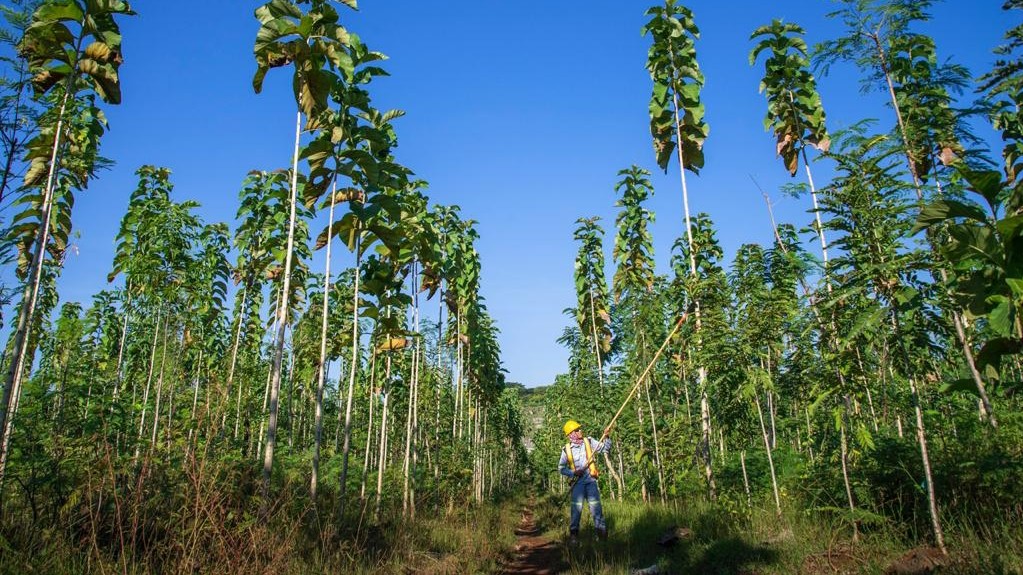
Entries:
{"x":586,"y":489}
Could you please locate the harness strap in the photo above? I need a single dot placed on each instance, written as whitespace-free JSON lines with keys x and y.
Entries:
{"x":589,"y":457}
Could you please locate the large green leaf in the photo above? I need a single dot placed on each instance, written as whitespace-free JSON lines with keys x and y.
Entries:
{"x":987,"y":183}
{"x":945,"y":209}
{"x":1000,"y":316}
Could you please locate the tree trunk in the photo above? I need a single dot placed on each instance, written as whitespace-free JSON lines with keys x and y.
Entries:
{"x":410,"y":424}
{"x":657,"y":447}
{"x":231,"y":368}
{"x":149,"y":381}
{"x":262,"y":413}
{"x":745,"y":478}
{"x":26,"y":314}
{"x":382,"y":457}
{"x":366,"y":462}
{"x":642,"y":447}
{"x":321,"y":373}
{"x":159,"y":387}
{"x":120,"y":348}
{"x":708,"y":470}
{"x":845,"y":468}
{"x":596,"y":341}
{"x":282,"y":315}
{"x":921,"y":437}
{"x":770,"y":458}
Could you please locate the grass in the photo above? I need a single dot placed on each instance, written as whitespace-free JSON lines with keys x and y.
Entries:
{"x":725,"y":538}
{"x":730,"y":540}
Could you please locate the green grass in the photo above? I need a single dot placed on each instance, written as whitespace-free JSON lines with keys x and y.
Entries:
{"x":728,"y":539}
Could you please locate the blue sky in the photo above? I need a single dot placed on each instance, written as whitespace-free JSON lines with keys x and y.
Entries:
{"x":520,"y":112}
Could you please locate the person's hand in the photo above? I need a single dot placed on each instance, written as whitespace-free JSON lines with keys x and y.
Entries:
{"x":578,"y":472}
{"x":607,"y":432}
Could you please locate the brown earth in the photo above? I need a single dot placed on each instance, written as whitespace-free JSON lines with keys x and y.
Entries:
{"x":534,"y":553}
{"x":840,"y":558}
{"x":918,"y":561}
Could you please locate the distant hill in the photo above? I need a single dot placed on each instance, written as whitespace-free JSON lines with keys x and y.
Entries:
{"x":532,"y":410}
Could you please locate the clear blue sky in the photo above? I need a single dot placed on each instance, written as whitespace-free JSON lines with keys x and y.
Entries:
{"x":520,"y":112}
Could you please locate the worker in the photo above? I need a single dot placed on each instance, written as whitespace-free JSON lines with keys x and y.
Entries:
{"x":578,"y":462}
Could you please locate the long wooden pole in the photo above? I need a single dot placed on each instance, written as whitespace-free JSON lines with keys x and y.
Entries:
{"x":635,"y":388}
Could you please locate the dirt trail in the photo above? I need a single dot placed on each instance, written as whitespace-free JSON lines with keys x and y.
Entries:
{"x":534,"y":554}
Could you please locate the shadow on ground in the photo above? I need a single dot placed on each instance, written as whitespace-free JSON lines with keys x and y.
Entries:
{"x":710,"y":546}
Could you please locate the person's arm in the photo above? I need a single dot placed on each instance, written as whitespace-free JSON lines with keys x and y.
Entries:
{"x":563,"y":464}
{"x":601,"y":447}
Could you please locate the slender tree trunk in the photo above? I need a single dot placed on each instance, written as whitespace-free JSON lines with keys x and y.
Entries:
{"x":708,"y":469}
{"x":657,"y":445}
{"x":321,"y":372}
{"x":275,"y":384}
{"x":921,"y":437}
{"x":986,"y":410}
{"x":192,"y":431}
{"x":816,"y":214}
{"x":770,"y":457}
{"x":642,"y":447}
{"x":382,"y":457}
{"x":269,"y":379}
{"x":410,"y":424}
{"x":809,"y":435}
{"x":354,"y":367}
{"x":620,"y":494}
{"x":366,"y":461}
{"x":843,"y":424}
{"x":231,"y":367}
{"x":26,"y":315}
{"x":120,"y":348}
{"x":262,"y":413}
{"x":745,"y":478}
{"x":159,"y":388}
{"x":149,"y":381}
{"x":685,"y":388}
{"x":596,"y":343}
{"x":456,"y":423}
{"x":340,"y":398}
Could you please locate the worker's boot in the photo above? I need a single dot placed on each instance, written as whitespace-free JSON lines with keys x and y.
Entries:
{"x":573,"y":537}
{"x":602,"y":534}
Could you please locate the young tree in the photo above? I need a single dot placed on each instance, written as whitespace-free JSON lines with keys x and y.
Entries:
{"x":74,"y":50}
{"x":592,"y":313}
{"x":315,"y":44}
{"x":677,"y":125}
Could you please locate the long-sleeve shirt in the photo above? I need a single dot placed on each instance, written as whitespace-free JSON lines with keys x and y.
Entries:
{"x":579,"y":457}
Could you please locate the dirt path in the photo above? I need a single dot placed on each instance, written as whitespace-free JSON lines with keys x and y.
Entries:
{"x":534,"y":554}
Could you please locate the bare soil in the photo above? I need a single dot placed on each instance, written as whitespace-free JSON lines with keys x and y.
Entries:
{"x":917,"y":561}
{"x":534,"y":553}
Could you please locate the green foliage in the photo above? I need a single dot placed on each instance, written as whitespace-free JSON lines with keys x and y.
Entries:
{"x":633,"y":247}
{"x":314,"y":42}
{"x":794,"y":109}
{"x":676,"y":112}
{"x":592,"y":313}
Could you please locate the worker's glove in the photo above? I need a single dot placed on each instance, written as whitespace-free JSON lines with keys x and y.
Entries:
{"x":578,"y":472}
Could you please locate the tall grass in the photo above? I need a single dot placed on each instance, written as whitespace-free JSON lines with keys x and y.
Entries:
{"x":725,"y":538}
{"x":195,"y":517}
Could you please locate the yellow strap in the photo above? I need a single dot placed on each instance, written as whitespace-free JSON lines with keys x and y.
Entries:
{"x":589,"y":457}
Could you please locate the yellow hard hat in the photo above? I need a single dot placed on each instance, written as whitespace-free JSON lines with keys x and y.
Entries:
{"x":570,"y":426}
